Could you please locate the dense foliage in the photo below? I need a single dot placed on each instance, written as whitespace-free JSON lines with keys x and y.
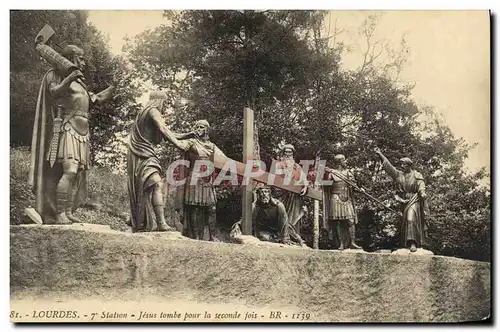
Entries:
{"x":215,"y":63}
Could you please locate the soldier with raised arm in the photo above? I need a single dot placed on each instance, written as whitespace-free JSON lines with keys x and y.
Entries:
{"x":411,"y":194}
{"x":60,"y":150}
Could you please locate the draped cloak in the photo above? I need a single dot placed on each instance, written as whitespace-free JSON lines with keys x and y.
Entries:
{"x":293,"y":202}
{"x":270,"y":219}
{"x":142,"y":166}
{"x":409,"y":186}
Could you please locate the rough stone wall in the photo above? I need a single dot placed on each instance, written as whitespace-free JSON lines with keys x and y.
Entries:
{"x":336,"y":287}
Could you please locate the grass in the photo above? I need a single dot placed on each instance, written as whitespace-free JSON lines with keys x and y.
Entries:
{"x":105,"y":188}
{"x":21,"y":195}
{"x":108,"y":189}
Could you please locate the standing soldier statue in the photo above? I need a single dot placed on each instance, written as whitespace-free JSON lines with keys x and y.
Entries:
{"x":60,"y":150}
{"x":339,"y":211}
{"x":199,"y":196}
{"x":411,"y":194}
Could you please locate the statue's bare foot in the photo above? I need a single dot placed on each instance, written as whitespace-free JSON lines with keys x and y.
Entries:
{"x":413,"y":247}
{"x":163,"y":227}
{"x":354,"y":246}
{"x":341,"y":247}
{"x":62,"y":219}
{"x":73,"y":218}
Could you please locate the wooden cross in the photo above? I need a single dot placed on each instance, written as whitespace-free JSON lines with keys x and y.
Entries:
{"x":278,"y":181}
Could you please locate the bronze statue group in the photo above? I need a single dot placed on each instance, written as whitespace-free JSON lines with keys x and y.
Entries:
{"x":60,"y":157}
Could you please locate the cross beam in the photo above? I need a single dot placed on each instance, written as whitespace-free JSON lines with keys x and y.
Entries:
{"x":278,"y":181}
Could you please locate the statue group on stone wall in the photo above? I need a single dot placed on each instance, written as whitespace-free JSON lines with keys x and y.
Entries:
{"x":60,"y":157}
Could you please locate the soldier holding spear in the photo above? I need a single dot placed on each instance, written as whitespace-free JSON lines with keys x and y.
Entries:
{"x":339,"y":204}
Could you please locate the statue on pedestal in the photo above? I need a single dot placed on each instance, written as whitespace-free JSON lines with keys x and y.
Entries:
{"x":199,"y":197}
{"x":413,"y":198}
{"x":270,"y":220}
{"x":294,"y":203}
{"x":145,"y":185}
{"x":339,"y":209}
{"x":60,"y":149}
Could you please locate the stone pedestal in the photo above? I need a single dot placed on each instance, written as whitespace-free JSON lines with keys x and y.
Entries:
{"x":91,"y":264}
{"x":419,"y":252}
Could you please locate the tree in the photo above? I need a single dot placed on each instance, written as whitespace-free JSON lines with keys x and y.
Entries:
{"x":222,"y":61}
{"x":25,"y":65}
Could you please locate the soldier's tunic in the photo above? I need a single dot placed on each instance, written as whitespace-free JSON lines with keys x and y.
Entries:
{"x":199,"y":197}
{"x":339,"y":198}
{"x":199,"y":191}
{"x":75,"y":135}
{"x":338,"y":207}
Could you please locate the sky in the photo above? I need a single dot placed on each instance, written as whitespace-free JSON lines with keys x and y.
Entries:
{"x":449,"y":59}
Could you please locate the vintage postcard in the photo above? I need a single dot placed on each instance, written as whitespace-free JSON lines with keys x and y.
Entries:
{"x":250,"y":166}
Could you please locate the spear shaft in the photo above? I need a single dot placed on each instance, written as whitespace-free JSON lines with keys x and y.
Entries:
{"x":352,"y":184}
